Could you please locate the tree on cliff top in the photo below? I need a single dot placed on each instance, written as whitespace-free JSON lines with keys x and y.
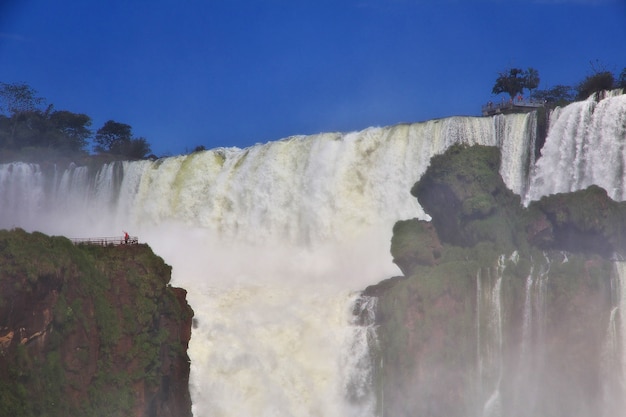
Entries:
{"x":117,"y":139}
{"x":17,"y":98}
{"x":600,"y":81}
{"x":513,"y":81}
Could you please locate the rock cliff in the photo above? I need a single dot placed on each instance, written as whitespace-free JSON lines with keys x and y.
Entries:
{"x":502,"y":310}
{"x":90,"y":331}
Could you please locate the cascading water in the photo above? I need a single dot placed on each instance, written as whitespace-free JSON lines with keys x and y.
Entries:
{"x":614,"y":383}
{"x":272,"y":243}
{"x":490,"y":361}
{"x":585,"y":145}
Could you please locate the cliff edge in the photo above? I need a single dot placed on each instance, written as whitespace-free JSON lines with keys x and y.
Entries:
{"x":90,"y":331}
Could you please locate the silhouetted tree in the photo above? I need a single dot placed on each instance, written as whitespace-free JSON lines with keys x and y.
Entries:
{"x":136,"y":148}
{"x":599,"y":81}
{"x":71,"y":130}
{"x":510,"y":81}
{"x":117,"y":139}
{"x":20,"y":102}
{"x":621,"y":80}
{"x":531,"y":80}
{"x":111,"y":137}
{"x":18,"y":97}
{"x":558,"y":95}
{"x":513,"y":81}
{"x":24,"y":123}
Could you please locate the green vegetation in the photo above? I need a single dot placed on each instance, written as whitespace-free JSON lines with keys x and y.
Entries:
{"x":96,"y":323}
{"x":513,"y":81}
{"x":469,"y":281}
{"x":599,"y":79}
{"x":28,"y":128}
{"x":117,"y":139}
{"x":467,"y":199}
{"x":414,"y":242}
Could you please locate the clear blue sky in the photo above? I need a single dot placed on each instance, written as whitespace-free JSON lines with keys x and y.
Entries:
{"x":217,"y":73}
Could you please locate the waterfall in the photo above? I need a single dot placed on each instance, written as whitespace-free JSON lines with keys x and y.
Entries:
{"x":273,"y":243}
{"x":490,"y":355}
{"x":614,"y":360}
{"x":532,"y":346}
{"x":586,"y":144}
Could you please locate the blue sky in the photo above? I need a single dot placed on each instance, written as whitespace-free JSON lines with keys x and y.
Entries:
{"x":217,"y":73}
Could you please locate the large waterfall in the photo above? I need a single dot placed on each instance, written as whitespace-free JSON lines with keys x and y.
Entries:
{"x":273,"y":242}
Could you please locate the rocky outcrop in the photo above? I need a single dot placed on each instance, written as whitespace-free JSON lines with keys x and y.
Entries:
{"x":89,"y":330}
{"x":582,"y":221}
{"x":501,"y":309}
{"x":468,"y":200}
{"x":470,"y":204}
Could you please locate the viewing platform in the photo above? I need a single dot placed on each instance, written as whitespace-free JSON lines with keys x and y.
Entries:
{"x":106,"y":241}
{"x":511,"y":106}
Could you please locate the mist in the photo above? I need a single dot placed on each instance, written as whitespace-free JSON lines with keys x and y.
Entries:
{"x":273,"y":244}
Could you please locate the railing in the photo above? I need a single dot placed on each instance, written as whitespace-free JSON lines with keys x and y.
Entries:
{"x":106,"y":241}
{"x":491,"y":108}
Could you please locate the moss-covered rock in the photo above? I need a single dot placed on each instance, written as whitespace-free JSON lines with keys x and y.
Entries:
{"x":467,"y":200}
{"x":500,"y":309}
{"x":469,"y":204}
{"x":89,"y":330}
{"x":582,"y":221}
{"x":415,"y":242}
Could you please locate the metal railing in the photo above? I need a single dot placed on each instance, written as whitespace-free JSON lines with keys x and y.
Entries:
{"x":106,"y":241}
{"x":511,"y":104}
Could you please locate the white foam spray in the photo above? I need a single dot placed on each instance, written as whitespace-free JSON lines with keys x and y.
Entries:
{"x":273,"y":244}
{"x":586,"y":145}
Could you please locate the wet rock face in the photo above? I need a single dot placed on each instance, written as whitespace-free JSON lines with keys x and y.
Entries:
{"x":470,"y":204}
{"x":501,"y":309}
{"x":467,"y":199}
{"x":582,"y":221}
{"x":415,"y":242}
{"x":90,"y":330}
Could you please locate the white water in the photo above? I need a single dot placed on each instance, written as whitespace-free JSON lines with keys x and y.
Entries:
{"x":273,"y":243}
{"x":491,"y":367}
{"x":586,"y":145}
{"x":614,"y":360}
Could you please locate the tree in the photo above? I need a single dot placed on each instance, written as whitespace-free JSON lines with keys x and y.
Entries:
{"x":531,"y":79}
{"x":621,"y":80}
{"x":117,"y":139}
{"x":112,"y":136}
{"x":600,"y":81}
{"x":558,"y":95}
{"x":137,"y":148}
{"x":513,"y":81}
{"x":18,"y":97}
{"x":71,"y":129}
{"x":21,"y":103}
{"x":510,"y":81}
